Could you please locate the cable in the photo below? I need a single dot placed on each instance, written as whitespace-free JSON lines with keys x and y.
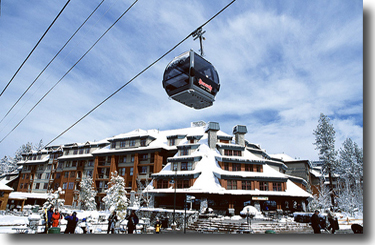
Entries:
{"x":68,"y":71}
{"x":51,"y":62}
{"x":34,"y":48}
{"x":145,"y":69}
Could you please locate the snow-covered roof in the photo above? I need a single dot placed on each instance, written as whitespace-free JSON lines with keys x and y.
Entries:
{"x":282,"y":156}
{"x":209,"y":173}
{"x":25,"y":195}
{"x":4,"y":187}
{"x":35,"y":162}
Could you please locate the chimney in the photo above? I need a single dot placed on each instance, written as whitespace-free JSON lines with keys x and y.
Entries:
{"x":239,"y":132}
{"x":212,"y":129}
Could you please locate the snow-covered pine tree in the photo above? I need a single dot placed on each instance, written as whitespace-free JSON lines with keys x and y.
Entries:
{"x":144,"y":197}
{"x":325,"y":143}
{"x":350,"y":170}
{"x":53,"y":199}
{"x":87,"y":194}
{"x":115,"y":197}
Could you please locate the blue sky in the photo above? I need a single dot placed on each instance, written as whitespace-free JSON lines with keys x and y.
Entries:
{"x":280,"y":63}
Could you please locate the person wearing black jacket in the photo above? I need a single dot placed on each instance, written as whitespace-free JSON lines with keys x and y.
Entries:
{"x":72,"y":223}
{"x":112,"y":219}
{"x":132,"y":222}
{"x":315,"y":222}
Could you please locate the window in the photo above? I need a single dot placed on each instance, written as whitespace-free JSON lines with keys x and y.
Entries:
{"x":184,"y":166}
{"x":162,"y":184}
{"x":87,"y":151}
{"x":47,"y":176}
{"x":263,"y":186}
{"x":226,"y":166}
{"x":246,"y":185}
{"x":132,"y":143}
{"x":113,"y":145}
{"x":67,"y":152}
{"x":26,"y":186}
{"x":45,"y":186}
{"x":142,"y":169}
{"x":131,"y":171}
{"x":184,"y":151}
{"x":276,"y":186}
{"x":122,"y":144}
{"x":143,"y":142}
{"x":143,"y":157}
{"x":231,"y":184}
{"x":228,"y":152}
{"x":183,"y":183}
{"x":74,"y":164}
{"x":249,"y":168}
{"x":75,"y":151}
{"x":21,"y":186}
{"x":37,"y":185}
{"x":237,"y":153}
{"x":71,"y":186}
{"x":236,"y":167}
{"x":90,"y":163}
{"x":81,"y":151}
{"x":66,"y":174}
{"x":132,"y":158}
{"x":89,"y":173}
{"x":174,"y":166}
{"x":58,"y":175}
{"x":172,"y":142}
{"x":72,"y":174}
{"x":39,"y":176}
{"x":67,"y":164}
{"x":259,"y":168}
{"x":121,"y":171}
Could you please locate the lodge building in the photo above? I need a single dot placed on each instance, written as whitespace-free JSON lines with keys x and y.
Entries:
{"x":221,"y":171}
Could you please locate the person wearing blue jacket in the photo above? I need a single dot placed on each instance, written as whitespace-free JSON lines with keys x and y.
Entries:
{"x":48,"y":218}
{"x":72,"y":223}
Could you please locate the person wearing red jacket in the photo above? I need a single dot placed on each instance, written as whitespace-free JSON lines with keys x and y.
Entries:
{"x":56,"y":216}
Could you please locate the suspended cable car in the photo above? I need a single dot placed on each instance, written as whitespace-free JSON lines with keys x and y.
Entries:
{"x":191,"y":80}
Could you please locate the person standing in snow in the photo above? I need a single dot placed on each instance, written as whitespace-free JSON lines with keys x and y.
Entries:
{"x":157,"y":226}
{"x":112,"y":219}
{"x":49,"y":218}
{"x":132,"y":222}
{"x":56,"y":216}
{"x":72,"y":223}
{"x":333,"y":223}
{"x":315,"y":222}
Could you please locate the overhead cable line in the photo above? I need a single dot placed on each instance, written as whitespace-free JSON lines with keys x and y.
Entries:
{"x":145,"y":69}
{"x":68,"y":71}
{"x":51,"y":61}
{"x":34,"y":47}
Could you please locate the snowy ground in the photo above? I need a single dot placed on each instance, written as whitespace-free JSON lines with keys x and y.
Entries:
{"x":10,"y":224}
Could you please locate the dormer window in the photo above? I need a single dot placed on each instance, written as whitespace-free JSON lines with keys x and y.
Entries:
{"x":113,"y":145}
{"x":184,"y":151}
{"x":122,"y":144}
{"x":143,"y":142}
{"x":172,"y":142}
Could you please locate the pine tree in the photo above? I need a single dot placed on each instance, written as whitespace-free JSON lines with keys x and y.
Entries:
{"x":325,"y":143}
{"x":87,"y":194}
{"x":116,"y":194}
{"x":53,"y":199}
{"x":350,"y":170}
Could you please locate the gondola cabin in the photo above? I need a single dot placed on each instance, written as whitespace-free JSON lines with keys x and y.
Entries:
{"x":191,"y":80}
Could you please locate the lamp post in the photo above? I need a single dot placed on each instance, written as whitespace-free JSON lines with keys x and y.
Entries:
{"x":174,"y":201}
